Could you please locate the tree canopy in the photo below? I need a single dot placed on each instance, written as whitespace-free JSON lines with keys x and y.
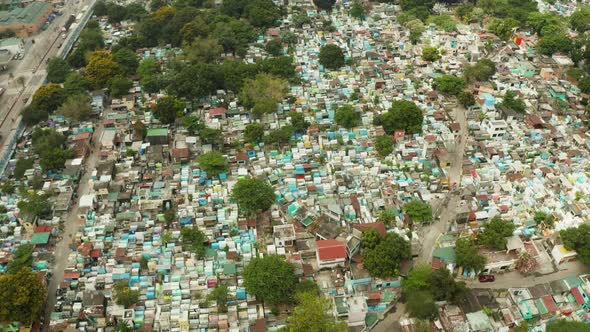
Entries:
{"x":468,"y":256}
{"x":347,"y":117}
{"x":324,"y":4}
{"x":430,"y":54}
{"x":578,"y":239}
{"x":563,"y":325}
{"x":449,"y":84}
{"x":511,"y":102}
{"x":213,"y":163}
{"x":418,"y":211}
{"x":22,"y":258}
{"x":503,"y":28}
{"x":310,"y":315}
{"x":253,"y":195}
{"x":254,"y":132}
{"x":480,"y":71}
{"x":554,"y":43}
{"x":167,"y":108}
{"x":22,"y":296}
{"x":124,"y":295}
{"x":57,"y":70}
{"x":270,"y":278}
{"x":194,"y":240}
{"x":495,"y":233}
{"x":384,"y":259}
{"x":384,"y":145}
{"x":403,"y":115}
{"x":101,"y":68}
{"x":49,"y":97}
{"x":76,"y":108}
{"x":331,"y":56}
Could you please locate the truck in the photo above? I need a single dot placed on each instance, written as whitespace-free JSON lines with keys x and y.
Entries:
{"x":68,"y":23}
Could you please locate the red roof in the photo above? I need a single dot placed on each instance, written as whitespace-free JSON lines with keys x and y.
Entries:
{"x":379,"y":226}
{"x":217,"y":111}
{"x":550,"y":303}
{"x":95,"y":253}
{"x":578,"y":296}
{"x":43,"y":229}
{"x":72,"y":275}
{"x":330,"y":249}
{"x":82,"y":136}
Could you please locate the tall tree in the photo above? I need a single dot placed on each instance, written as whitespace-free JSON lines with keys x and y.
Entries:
{"x":495,"y":233}
{"x":214,"y":163}
{"x":263,"y":87}
{"x":49,"y":97}
{"x":22,"y":258}
{"x":194,"y":240}
{"x":101,"y":68}
{"x":271,"y":279}
{"x":22,"y":296}
{"x":57,"y":70}
{"x":468,"y":256}
{"x":578,"y":239}
{"x":310,"y":315}
{"x":331,"y":56}
{"x":253,"y":195}
{"x":384,"y":145}
{"x":166,"y":109}
{"x":403,"y":115}
{"x":347,"y":117}
{"x":76,"y":108}
{"x":127,"y":59}
{"x":384,"y":260}
{"x":418,"y":211}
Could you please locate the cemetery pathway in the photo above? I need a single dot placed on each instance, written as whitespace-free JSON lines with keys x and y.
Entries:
{"x":449,"y":205}
{"x":71,"y":225}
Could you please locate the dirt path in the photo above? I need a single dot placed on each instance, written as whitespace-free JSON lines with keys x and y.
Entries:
{"x":71,"y":225}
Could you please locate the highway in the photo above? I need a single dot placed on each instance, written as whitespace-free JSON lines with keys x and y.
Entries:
{"x":24,"y":77}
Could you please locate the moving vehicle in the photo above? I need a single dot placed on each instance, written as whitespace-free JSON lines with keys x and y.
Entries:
{"x":487,"y":278}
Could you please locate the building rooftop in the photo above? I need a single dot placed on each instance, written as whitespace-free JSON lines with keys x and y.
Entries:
{"x":26,"y":15}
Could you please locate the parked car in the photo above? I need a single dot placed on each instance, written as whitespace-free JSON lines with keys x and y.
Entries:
{"x":487,"y":278}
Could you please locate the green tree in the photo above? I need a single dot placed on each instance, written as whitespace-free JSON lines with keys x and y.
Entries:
{"x":57,"y":70}
{"x":48,"y":144}
{"x":120,"y":86}
{"x":324,"y":4}
{"x":167,"y":108}
{"x":449,"y":84}
{"x":480,"y":71}
{"x":370,"y":238}
{"x":279,"y":136}
{"x":281,"y":66}
{"x":32,"y":115}
{"x":331,"y":56}
{"x":384,"y":260}
{"x":262,"y":13}
{"x":270,"y":278}
{"x":387,"y":216}
{"x":274,"y":47}
{"x":192,"y":124}
{"x":22,"y":165}
{"x":298,"y":122}
{"x":90,"y":40}
{"x":127,"y":60}
{"x":522,"y":327}
{"x":124,"y":295}
{"x":466,"y":99}
{"x":495,"y":233}
{"x":584,"y":84}
{"x":310,"y":315}
{"x":75,"y":84}
{"x":203,"y":49}
{"x":416,"y":28}
{"x":23,"y":296}
{"x":22,"y":258}
{"x":211,"y":136}
{"x":264,"y":106}
{"x":418,"y":280}
{"x":384,"y":145}
{"x":403,"y":115}
{"x":580,"y":19}
{"x":418,"y":211}
{"x":76,"y":108}
{"x":511,"y":102}
{"x":169,"y":216}
{"x":564,"y":325}
{"x":193,"y":240}
{"x":444,"y":22}
{"x":219,"y":294}
{"x":264,"y":87}
{"x":503,"y":28}
{"x":347,"y":117}
{"x":8,"y":187}
{"x":421,"y":305}
{"x":578,"y":239}
{"x":253,"y":195}
{"x":430,"y":54}
{"x":213,"y":163}
{"x":49,"y":97}
{"x":537,"y":21}
{"x":555,"y":43}
{"x":140,"y":129}
{"x":254,"y":133}
{"x":468,"y":255}
{"x":444,"y":287}
{"x":358,"y":10}
{"x":34,"y":204}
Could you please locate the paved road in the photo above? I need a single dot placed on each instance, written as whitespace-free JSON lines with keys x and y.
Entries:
{"x":451,"y":201}
{"x":72,"y":223}
{"x":507,"y":280}
{"x":32,"y":69}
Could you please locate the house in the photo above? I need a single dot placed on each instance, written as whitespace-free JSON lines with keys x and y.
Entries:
{"x":330,"y":253}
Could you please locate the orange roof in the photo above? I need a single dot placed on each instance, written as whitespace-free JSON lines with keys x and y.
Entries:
{"x":330,"y":249}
